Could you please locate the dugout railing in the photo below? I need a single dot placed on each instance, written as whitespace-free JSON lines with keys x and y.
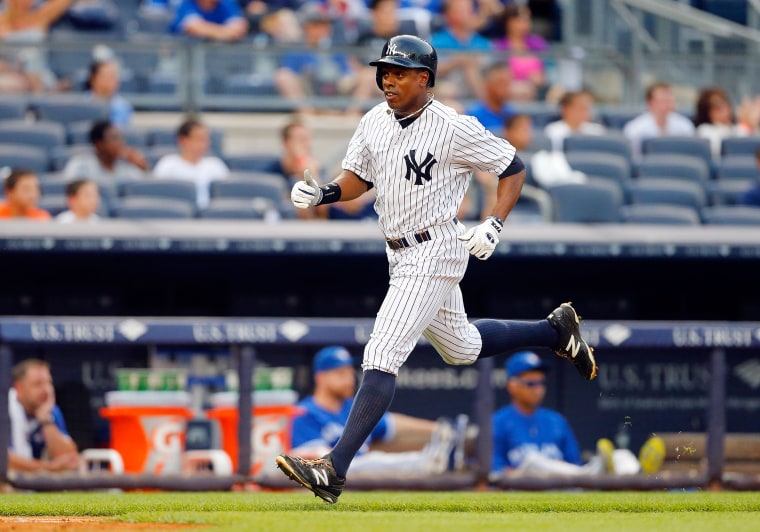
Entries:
{"x":243,"y":335}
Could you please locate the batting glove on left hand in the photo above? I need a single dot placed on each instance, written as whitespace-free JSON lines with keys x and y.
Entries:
{"x":481,"y":240}
{"x":306,"y":193}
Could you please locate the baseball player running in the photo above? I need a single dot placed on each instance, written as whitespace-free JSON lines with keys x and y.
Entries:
{"x":418,"y":155}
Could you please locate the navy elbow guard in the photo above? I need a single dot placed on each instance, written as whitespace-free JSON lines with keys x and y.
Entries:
{"x":515,"y":167}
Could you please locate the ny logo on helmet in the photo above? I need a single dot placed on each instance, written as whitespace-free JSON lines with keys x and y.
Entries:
{"x":394,"y":50}
{"x":421,"y":170}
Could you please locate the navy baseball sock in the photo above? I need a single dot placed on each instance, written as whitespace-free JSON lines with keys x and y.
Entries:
{"x":502,"y":336}
{"x":370,"y":404}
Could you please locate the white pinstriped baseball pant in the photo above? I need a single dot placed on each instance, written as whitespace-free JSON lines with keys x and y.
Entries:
{"x":424,"y":298}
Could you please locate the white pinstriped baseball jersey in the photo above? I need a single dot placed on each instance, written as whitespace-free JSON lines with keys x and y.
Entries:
{"x":421,"y":172}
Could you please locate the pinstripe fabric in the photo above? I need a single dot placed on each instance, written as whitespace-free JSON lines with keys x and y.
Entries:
{"x":421,"y":173}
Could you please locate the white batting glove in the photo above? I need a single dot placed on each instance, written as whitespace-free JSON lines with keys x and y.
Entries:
{"x":481,"y":240}
{"x":306,"y":193}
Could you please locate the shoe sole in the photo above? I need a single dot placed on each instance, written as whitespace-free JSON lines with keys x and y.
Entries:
{"x":591,"y":356}
{"x":292,"y":475}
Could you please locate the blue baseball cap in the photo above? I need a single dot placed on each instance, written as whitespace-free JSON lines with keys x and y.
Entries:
{"x":523,"y":361}
{"x":332,"y":357}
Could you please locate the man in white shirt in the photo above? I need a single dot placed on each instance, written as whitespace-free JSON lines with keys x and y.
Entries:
{"x":660,"y":120}
{"x":192,"y":163}
{"x":576,"y":109}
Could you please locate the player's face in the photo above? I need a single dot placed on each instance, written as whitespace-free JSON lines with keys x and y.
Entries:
{"x":405,"y":89}
{"x":35,"y":388}
{"x":340,"y":382}
{"x":528,"y":389}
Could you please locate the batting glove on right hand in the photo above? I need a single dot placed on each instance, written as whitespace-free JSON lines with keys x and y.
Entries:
{"x":306,"y":193}
{"x":481,"y":240}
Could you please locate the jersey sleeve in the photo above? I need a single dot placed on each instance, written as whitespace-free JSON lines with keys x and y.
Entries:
{"x":59,"y":421}
{"x":358,"y":158}
{"x":477,"y":148}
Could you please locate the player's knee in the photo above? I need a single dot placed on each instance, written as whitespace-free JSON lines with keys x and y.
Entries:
{"x":459,"y":359}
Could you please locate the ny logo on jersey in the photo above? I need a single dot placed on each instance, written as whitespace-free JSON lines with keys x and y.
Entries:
{"x":421,"y":170}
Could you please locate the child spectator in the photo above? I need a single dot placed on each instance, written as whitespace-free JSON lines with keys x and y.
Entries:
{"x":83,"y":199}
{"x":22,"y":192}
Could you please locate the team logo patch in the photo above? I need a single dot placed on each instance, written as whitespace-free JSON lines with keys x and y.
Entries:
{"x":421,"y":170}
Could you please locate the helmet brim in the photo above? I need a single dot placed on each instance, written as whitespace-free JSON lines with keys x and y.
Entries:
{"x":397,"y":61}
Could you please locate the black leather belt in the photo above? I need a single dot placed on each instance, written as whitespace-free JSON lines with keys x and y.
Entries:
{"x":401,"y":243}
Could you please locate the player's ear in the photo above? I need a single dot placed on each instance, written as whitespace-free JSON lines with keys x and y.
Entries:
{"x":424,"y":77}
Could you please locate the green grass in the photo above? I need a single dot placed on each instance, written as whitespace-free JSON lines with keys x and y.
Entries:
{"x":405,"y":511}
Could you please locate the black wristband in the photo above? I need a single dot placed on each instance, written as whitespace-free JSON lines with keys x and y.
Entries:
{"x":496,"y":223}
{"x":330,"y":193}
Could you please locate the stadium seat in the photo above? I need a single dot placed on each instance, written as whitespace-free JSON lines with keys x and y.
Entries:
{"x":618,"y":118}
{"x":60,"y":156}
{"x":154,"y":208}
{"x":668,"y":192}
{"x":539,"y":142}
{"x":45,"y":135}
{"x":731,"y":215}
{"x":738,"y":167}
{"x":66,"y":108}
{"x":610,"y":166}
{"x":659,"y":214}
{"x":693,"y":169}
{"x":612,"y":144}
{"x":176,"y":189}
{"x":691,"y":146}
{"x":253,"y":163}
{"x":55,"y":204}
{"x":20,"y":156}
{"x":597,"y":201}
{"x":728,"y":191}
{"x":252,"y":84}
{"x":12,"y":107}
{"x":271,"y":187}
{"x":238,"y":209}
{"x":732,"y":146}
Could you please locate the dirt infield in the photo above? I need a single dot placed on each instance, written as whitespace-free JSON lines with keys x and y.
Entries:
{"x":79,"y":524}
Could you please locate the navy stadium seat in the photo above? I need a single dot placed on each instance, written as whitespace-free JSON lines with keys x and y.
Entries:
{"x":253,"y":163}
{"x":67,"y":108}
{"x":738,"y":167}
{"x":731,"y":215}
{"x":13,"y":107}
{"x":732,"y":146}
{"x":174,"y":189}
{"x":677,"y":145}
{"x":606,"y":144}
{"x":668,"y":192}
{"x":271,"y":187}
{"x":613,"y":167}
{"x":596,"y":201}
{"x":693,"y":169}
{"x":728,"y":191}
{"x":153,"y":208}
{"x":237,"y":209}
{"x":659,"y":214}
{"x":55,"y":204}
{"x":539,"y":141}
{"x":618,"y":118}
{"x":20,"y":156}
{"x":45,"y":135}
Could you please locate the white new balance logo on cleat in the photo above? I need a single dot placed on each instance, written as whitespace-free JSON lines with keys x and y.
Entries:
{"x":320,"y":477}
{"x":573,"y":347}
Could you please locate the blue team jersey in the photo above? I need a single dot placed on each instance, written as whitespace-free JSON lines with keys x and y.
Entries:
{"x":546,"y":431}
{"x":35,"y":436}
{"x":224,"y":11}
{"x":494,"y":122}
{"x":317,"y":426}
{"x":445,"y":40}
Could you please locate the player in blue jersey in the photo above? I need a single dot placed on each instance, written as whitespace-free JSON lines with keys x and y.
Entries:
{"x":320,"y":426}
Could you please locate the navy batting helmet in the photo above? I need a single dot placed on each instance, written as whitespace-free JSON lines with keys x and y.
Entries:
{"x":407,"y":51}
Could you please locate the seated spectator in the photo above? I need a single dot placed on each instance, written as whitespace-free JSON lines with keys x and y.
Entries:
{"x":752,"y":196}
{"x":296,"y":158}
{"x":314,"y":70}
{"x":192,"y":162}
{"x":460,"y":49}
{"x":493,"y":109}
{"x":83,"y":199}
{"x":216,"y":20}
{"x":528,"y":71}
{"x":23,"y":22}
{"x":715,"y":120}
{"x":533,"y":439}
{"x":103,"y":84}
{"x":276,"y":19}
{"x":325,"y":412}
{"x":576,"y":109}
{"x":39,"y":440}
{"x":112,"y":160}
{"x":22,"y":192}
{"x":660,"y":120}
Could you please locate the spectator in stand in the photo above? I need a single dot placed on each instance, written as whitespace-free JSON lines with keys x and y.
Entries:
{"x":39,"y":440}
{"x":24,"y":69}
{"x":494,"y":109}
{"x":83,"y":199}
{"x":661,"y":119}
{"x":461,"y":50}
{"x":216,"y":20}
{"x":715,"y":120}
{"x":103,"y":84}
{"x":22,"y":192}
{"x":752,"y":196}
{"x":112,"y":161}
{"x":528,"y":71}
{"x":576,"y":109}
{"x":297,"y":157}
{"x":192,"y":162}
{"x":531,"y":438}
{"x":315,"y":70}
{"x":275,"y":19}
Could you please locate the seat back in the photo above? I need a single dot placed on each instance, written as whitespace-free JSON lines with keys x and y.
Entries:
{"x":668,"y":192}
{"x":45,"y":135}
{"x":596,"y":201}
{"x":659,"y":214}
{"x":153,"y":208}
{"x":731,"y":215}
{"x":20,"y":156}
{"x":174,"y":189}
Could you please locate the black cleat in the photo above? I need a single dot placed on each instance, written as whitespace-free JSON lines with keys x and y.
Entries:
{"x":572,"y":346}
{"x":318,"y":475}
